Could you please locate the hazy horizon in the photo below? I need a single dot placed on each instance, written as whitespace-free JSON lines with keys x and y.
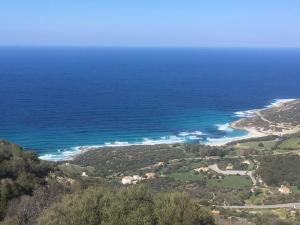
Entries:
{"x":214,"y":24}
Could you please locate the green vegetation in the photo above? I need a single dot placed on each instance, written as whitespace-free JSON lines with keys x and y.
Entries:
{"x":231,"y":181}
{"x":112,"y":161}
{"x":187,"y":176}
{"x":130,"y":159}
{"x":20,"y":173}
{"x":260,"y":217}
{"x":259,"y":145}
{"x":291,"y":144}
{"x":127,"y":206}
{"x":72,"y":170}
{"x":57,"y":193}
{"x":30,"y":194}
{"x":279,"y":169}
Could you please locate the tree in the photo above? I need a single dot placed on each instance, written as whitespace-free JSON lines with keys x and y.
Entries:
{"x":180,"y":209}
{"x":126,"y":206}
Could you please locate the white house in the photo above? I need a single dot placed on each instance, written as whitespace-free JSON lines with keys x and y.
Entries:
{"x":131,"y":179}
{"x":127,"y":180}
{"x":84,"y":174}
{"x":202,"y":169}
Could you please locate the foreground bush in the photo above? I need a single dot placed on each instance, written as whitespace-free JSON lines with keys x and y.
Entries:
{"x":128,"y":206}
{"x":20,"y":173}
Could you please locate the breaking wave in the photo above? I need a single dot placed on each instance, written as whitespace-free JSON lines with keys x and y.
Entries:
{"x":69,"y":153}
{"x":224,"y":127}
{"x":245,"y":114}
{"x":251,"y":113}
{"x":279,"y":101}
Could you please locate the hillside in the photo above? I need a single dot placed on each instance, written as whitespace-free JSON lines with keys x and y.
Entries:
{"x":33,"y":191}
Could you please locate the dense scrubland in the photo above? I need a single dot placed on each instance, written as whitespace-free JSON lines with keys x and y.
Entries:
{"x":40,"y":192}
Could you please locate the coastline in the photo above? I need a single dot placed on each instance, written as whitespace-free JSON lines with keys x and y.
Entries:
{"x":254,"y":131}
{"x":251,"y":133}
{"x":185,"y":136}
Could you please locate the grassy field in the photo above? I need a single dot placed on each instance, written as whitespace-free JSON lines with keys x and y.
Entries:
{"x":292,"y":143}
{"x":186,"y":176}
{"x":231,"y":181}
{"x":259,"y":144}
{"x":295,"y":189}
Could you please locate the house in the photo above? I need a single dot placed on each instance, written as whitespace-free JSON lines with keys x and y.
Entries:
{"x":131,"y":179}
{"x":215,"y":212}
{"x":150,"y":175}
{"x":229,"y":167}
{"x":84,"y":174}
{"x":247,"y":162}
{"x":202,"y":169}
{"x":127,"y":180}
{"x":284,"y":189}
{"x":137,"y":178}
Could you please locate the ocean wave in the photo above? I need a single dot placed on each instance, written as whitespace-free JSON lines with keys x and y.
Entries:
{"x":245,"y":114}
{"x":147,"y":141}
{"x":164,"y":140}
{"x":192,"y":137}
{"x":61,"y":155}
{"x":278,"y":101}
{"x":224,"y":127}
{"x":251,"y":113}
{"x":114,"y":144}
{"x":66,"y":154}
{"x":193,"y":133}
{"x":223,"y":140}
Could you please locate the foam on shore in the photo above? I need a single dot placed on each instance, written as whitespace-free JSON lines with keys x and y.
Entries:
{"x":224,"y":127}
{"x":251,"y":113}
{"x":279,"y":101}
{"x":185,"y":133}
{"x":245,"y":114}
{"x":67,"y":154}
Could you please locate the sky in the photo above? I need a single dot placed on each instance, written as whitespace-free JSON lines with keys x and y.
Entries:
{"x":170,"y":23}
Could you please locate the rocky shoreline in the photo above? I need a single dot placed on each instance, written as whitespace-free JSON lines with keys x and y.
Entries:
{"x":274,"y":120}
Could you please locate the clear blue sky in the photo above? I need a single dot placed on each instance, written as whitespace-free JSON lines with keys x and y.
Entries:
{"x":203,"y":23}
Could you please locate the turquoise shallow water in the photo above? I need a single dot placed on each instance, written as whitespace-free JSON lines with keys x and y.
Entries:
{"x":54,"y":100}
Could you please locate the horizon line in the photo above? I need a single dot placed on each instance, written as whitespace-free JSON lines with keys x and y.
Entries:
{"x":146,"y":46}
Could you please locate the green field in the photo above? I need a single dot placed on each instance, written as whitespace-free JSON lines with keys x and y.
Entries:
{"x":186,"y":176}
{"x":256,"y":144}
{"x":231,"y":181}
{"x":292,"y":143}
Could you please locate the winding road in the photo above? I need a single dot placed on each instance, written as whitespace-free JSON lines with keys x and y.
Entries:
{"x":215,"y":168}
{"x":294,"y":205}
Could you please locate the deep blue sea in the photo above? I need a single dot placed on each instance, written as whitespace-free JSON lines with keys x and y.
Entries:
{"x":54,"y":100}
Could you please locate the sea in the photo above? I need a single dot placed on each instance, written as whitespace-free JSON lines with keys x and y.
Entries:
{"x":59,"y":100}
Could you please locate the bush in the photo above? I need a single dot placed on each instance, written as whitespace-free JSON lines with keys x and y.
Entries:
{"x":126,"y":206}
{"x":20,"y":173}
